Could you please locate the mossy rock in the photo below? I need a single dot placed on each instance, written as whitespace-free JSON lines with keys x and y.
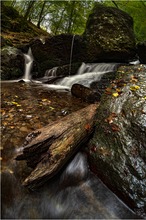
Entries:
{"x":109,"y":35}
{"x":117,"y":149}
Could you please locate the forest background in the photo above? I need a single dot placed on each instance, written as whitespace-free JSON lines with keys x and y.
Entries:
{"x":57,"y":17}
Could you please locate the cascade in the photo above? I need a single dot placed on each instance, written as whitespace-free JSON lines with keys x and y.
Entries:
{"x":51,"y":72}
{"x":87,"y":74}
{"x":28,"y":65}
{"x":72,"y":44}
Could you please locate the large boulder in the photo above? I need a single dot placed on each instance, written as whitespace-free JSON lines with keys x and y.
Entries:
{"x":117,"y":151}
{"x":109,"y":35}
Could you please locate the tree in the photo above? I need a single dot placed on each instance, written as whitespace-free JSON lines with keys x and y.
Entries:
{"x":29,"y":7}
{"x":41,"y":14}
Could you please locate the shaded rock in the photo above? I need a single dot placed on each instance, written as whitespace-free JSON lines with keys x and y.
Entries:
{"x":56,"y":51}
{"x":141,"y":47}
{"x":117,"y":149}
{"x":85,"y":93}
{"x":109,"y":35}
{"x":12,"y":63}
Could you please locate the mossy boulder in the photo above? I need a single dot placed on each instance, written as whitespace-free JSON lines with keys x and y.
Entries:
{"x":117,"y":151}
{"x":109,"y":35}
{"x":12,"y":63}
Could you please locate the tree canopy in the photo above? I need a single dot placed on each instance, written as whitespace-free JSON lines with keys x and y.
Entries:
{"x":70,"y":16}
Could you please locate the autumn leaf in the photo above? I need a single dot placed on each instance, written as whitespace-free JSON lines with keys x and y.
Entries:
{"x":115,"y":94}
{"x":108,"y":91}
{"x":134,"y":88}
{"x":115,"y":127}
{"x":133,"y":79}
{"x":111,"y":118}
{"x":87,"y":127}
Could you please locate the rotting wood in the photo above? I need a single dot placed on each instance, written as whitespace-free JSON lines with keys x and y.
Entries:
{"x":46,"y":150}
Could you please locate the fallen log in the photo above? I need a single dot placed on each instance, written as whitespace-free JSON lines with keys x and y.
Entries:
{"x":86,"y":94}
{"x":46,"y":150}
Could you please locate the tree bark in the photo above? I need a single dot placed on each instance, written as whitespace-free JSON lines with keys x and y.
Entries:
{"x":49,"y":148}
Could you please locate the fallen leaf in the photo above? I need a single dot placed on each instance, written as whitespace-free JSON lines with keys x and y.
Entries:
{"x":115,"y":127}
{"x":111,"y":118}
{"x":115,"y":94}
{"x":87,"y":127}
{"x":134,"y":88}
{"x":133,"y":79}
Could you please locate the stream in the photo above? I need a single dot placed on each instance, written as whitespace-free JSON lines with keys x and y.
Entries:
{"x":73,"y":193}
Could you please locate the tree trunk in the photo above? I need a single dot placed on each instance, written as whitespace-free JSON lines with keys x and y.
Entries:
{"x":41,"y":13}
{"x":49,"y":148}
{"x":31,"y":3}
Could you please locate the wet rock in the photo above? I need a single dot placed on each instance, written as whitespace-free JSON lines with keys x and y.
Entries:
{"x":141,"y":47}
{"x":56,"y":51}
{"x":117,"y":149}
{"x":12,"y":63}
{"x":85,"y":93}
{"x":109,"y":35}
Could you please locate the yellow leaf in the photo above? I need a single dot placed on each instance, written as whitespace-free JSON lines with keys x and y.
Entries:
{"x":118,"y":90}
{"x":115,"y":94}
{"x":134,"y":88}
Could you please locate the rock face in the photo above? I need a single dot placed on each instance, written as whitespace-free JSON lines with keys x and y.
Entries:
{"x":109,"y":35}
{"x":117,"y":149}
{"x":12,"y":63}
{"x":56,"y":51}
{"x":141,"y":47}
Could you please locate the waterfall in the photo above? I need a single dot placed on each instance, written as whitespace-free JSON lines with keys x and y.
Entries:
{"x":87,"y":74}
{"x":28,"y":65}
{"x":71,"y":51}
{"x":51,"y":72}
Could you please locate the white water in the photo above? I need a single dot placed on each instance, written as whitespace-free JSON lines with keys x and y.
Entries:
{"x":28,"y":65}
{"x":87,"y":74}
{"x":51,"y":72}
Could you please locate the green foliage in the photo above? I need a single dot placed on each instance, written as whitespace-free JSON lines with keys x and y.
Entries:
{"x":71,"y":16}
{"x":137,"y":10}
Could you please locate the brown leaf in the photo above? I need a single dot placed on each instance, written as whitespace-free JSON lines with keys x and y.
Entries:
{"x":111,"y":118}
{"x":87,"y":127}
{"x":115,"y":127}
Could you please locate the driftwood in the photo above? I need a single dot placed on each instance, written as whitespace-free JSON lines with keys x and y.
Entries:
{"x":85,"y":93}
{"x":46,"y":150}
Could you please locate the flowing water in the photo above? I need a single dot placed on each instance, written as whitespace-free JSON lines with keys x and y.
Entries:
{"x":28,"y":65}
{"x":86,"y":75}
{"x":75,"y":192}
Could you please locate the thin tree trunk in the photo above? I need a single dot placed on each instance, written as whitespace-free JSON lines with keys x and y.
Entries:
{"x":27,"y":13}
{"x":115,"y":4}
{"x":41,"y":13}
{"x":70,"y":17}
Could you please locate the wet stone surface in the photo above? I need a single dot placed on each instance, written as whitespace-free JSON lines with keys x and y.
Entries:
{"x":117,"y":149}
